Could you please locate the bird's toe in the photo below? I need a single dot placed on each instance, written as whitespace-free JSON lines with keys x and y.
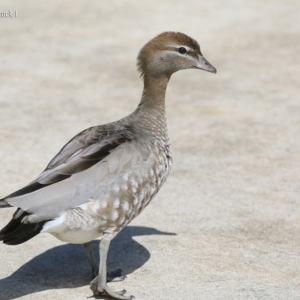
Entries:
{"x":115,"y":276}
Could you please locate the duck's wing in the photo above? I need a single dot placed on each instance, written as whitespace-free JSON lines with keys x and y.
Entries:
{"x":58,"y":188}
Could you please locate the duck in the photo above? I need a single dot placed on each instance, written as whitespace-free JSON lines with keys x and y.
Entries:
{"x":106,"y":175}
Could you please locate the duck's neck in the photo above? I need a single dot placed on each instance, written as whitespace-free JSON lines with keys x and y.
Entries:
{"x":154,"y":92}
{"x":152,"y":107}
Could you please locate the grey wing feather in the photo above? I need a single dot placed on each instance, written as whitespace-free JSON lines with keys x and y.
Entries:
{"x":59,"y":187}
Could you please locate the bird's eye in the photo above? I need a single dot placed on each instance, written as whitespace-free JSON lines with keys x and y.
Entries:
{"x":182,"y":50}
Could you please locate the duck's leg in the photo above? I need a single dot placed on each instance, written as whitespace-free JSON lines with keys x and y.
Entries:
{"x":99,"y":285}
{"x":89,"y":250}
{"x":112,"y":276}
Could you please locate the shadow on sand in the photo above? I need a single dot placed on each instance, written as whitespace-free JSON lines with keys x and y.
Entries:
{"x":67,"y":266}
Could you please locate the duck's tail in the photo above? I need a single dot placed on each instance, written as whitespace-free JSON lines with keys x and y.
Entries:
{"x":16,"y":232}
{"x":3,"y":203}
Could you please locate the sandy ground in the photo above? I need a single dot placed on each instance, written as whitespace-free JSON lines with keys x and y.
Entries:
{"x":226,"y":223}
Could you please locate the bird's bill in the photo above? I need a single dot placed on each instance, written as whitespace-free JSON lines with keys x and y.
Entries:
{"x":203,"y":64}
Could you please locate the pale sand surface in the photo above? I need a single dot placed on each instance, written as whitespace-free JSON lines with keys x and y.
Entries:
{"x":232,"y":198}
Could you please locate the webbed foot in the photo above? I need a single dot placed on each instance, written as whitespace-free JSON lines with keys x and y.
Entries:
{"x":105,"y":290}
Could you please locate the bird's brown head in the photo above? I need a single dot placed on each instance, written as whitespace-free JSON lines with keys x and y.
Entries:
{"x":170,"y":52}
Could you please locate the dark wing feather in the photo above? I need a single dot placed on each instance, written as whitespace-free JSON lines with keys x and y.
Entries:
{"x":80,"y":153}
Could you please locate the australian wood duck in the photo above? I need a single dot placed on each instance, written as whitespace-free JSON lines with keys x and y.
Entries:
{"x":106,"y":175}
